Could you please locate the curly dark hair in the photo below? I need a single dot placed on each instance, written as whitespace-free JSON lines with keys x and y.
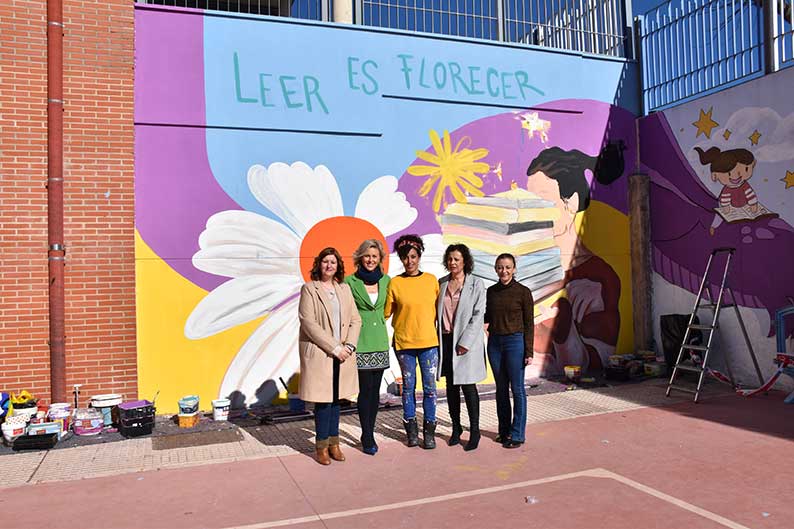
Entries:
{"x":316,"y":273}
{"x":468,"y":260}
{"x":405,"y":243}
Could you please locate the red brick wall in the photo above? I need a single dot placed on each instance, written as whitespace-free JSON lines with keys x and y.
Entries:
{"x":98,"y":197}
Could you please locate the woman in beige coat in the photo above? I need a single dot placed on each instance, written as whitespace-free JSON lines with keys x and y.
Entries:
{"x":329,"y":328}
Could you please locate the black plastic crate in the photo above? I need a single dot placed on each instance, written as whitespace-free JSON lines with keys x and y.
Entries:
{"x":136,"y":427}
{"x":35,"y":442}
{"x":127,"y":411}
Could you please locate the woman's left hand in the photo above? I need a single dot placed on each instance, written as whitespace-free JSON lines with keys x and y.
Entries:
{"x":527,"y":360}
{"x":461,"y":350}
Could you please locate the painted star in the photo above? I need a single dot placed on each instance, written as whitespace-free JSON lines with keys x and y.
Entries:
{"x":789,"y":179}
{"x":754,"y":137}
{"x":705,"y":124}
{"x":726,"y":134}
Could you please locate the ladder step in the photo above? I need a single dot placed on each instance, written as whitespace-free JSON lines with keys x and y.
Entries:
{"x":696,"y":347}
{"x":689,"y":367}
{"x":714,"y":305}
{"x":682,"y":388}
{"x":702,"y":327}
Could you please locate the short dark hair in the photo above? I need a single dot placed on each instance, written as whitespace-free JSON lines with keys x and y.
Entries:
{"x":505,"y":256}
{"x":316,"y":274}
{"x":405,"y":243}
{"x":568,"y":169}
{"x":468,"y":260}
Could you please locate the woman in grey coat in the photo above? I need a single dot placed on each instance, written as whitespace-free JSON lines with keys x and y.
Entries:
{"x":460,"y":310}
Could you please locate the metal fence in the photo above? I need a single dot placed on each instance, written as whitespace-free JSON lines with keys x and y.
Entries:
{"x":782,"y":28}
{"x":689,"y":47}
{"x":587,"y":26}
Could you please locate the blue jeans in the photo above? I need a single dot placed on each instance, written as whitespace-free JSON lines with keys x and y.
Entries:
{"x":506,"y":354}
{"x":428,"y":365}
{"x":326,"y":420}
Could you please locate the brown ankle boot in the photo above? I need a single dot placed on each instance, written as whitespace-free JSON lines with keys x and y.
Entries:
{"x":321,"y":449}
{"x":333,"y":449}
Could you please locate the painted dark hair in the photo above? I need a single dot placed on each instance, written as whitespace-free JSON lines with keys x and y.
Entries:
{"x":316,"y":274}
{"x":568,"y":167}
{"x":468,"y":260}
{"x":724,"y":161}
{"x":505,"y":256}
{"x":405,"y":243}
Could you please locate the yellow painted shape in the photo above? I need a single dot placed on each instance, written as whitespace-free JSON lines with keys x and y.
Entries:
{"x":605,"y":232}
{"x":167,"y":361}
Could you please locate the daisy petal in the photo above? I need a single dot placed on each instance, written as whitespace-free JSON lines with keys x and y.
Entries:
{"x":239,"y":243}
{"x":381,"y":204}
{"x":269,"y":353}
{"x":238,"y":301}
{"x":299,"y":195}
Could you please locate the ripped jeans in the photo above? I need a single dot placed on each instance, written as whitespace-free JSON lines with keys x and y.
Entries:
{"x":428,"y":365}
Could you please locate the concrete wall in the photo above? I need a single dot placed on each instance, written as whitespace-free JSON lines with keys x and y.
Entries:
{"x":738,"y":194}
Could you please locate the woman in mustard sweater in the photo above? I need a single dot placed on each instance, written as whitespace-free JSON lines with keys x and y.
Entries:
{"x":411,"y":299}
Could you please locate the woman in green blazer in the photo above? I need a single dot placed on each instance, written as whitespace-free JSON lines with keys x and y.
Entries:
{"x":369,"y":285}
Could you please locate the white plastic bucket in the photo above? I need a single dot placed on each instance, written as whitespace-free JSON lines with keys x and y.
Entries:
{"x":12,"y":430}
{"x":220,"y":409}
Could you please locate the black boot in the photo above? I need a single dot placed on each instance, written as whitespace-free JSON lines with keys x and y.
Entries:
{"x":453,"y":399}
{"x":412,"y":431}
{"x":473,"y":407}
{"x":429,"y":439}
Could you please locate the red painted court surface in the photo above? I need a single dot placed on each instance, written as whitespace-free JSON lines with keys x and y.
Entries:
{"x":727,"y":462}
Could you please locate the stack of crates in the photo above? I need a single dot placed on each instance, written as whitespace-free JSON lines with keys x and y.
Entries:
{"x":136,"y":418}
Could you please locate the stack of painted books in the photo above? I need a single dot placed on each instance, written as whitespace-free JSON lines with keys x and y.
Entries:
{"x":517,"y":222}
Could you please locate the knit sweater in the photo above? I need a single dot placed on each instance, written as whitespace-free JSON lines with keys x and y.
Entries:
{"x":510,"y":309}
{"x":411,"y":300}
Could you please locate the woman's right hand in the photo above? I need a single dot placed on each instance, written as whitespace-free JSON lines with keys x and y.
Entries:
{"x":341,"y":352}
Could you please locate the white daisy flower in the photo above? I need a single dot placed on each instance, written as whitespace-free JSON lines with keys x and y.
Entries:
{"x":269,"y":261}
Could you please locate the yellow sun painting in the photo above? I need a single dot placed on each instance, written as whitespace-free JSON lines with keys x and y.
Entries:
{"x":456,"y":169}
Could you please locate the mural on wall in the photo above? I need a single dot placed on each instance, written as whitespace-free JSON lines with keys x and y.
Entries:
{"x":722,"y":173}
{"x":247,"y":166}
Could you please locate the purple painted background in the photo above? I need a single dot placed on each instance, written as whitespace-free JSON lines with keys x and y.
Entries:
{"x":682,"y":211}
{"x":181,"y":190}
{"x":508,"y":144}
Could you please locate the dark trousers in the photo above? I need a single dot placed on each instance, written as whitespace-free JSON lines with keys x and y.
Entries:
{"x":472,"y":405}
{"x":368,"y":403}
{"x":326,"y":414}
{"x":470,"y":394}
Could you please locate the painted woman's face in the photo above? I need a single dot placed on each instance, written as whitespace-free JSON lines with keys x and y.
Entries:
{"x":328,"y":267}
{"x":736,"y":176}
{"x":549,"y":189}
{"x":411,"y":262}
{"x":371,"y":259}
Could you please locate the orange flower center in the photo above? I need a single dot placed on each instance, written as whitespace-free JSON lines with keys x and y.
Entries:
{"x":343,"y":233}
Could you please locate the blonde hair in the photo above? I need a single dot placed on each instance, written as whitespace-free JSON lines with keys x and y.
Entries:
{"x":364,"y":247}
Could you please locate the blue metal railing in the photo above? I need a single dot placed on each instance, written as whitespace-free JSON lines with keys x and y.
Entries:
{"x":692,"y":47}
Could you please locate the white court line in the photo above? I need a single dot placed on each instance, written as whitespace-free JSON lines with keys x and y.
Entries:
{"x":591,"y":473}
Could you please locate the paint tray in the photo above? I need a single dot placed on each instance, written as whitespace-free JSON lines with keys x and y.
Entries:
{"x":35,"y":442}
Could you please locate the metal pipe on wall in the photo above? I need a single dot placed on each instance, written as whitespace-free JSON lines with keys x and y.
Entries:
{"x":56,"y":254}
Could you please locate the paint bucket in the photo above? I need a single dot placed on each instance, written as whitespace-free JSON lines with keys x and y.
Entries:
{"x":220,"y":409}
{"x":295,"y":403}
{"x":26,"y":412}
{"x":188,"y":420}
{"x":88,"y":421}
{"x":573,"y":372}
{"x":105,"y":404}
{"x":62,"y":414}
{"x":12,"y":430}
{"x":188,"y":405}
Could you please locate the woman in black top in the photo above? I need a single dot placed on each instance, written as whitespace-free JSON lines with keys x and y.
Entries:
{"x":509,"y":314}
